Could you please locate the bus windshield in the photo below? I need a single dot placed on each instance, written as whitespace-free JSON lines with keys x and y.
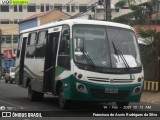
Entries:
{"x":109,"y":47}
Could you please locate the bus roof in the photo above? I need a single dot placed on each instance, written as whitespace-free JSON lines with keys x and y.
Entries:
{"x":78,"y":21}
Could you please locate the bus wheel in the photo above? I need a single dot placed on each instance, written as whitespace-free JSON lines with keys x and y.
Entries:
{"x":34,"y":95}
{"x":122,"y":104}
{"x":63,"y":103}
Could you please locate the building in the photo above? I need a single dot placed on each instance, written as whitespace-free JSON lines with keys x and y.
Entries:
{"x":9,"y":42}
{"x":43,"y":18}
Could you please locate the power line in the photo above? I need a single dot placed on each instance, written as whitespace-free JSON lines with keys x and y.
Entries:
{"x":88,"y":9}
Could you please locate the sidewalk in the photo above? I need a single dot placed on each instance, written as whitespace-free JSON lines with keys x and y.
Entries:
{"x":150,"y":97}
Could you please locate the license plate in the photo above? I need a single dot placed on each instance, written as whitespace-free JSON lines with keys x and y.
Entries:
{"x":111,"y":90}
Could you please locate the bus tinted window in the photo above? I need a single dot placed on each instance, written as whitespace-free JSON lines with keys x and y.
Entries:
{"x":30,"y":50}
{"x":32,"y":39}
{"x":42,"y":37}
{"x":63,"y":57}
{"x":41,"y":46}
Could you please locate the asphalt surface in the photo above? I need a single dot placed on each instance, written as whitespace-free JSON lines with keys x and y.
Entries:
{"x":14,"y":98}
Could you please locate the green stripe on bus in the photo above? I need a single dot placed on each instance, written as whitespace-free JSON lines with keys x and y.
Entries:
{"x":59,"y":70}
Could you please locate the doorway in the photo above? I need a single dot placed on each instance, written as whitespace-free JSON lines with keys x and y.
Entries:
{"x":50,"y":61}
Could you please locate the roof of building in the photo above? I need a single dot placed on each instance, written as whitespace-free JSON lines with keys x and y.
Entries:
{"x":35,"y":16}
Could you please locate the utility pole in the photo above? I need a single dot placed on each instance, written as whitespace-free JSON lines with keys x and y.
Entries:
{"x":108,"y":10}
{"x":107,"y":6}
{"x":0,"y":53}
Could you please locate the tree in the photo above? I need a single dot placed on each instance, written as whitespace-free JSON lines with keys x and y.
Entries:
{"x":122,"y":3}
{"x":137,"y":16}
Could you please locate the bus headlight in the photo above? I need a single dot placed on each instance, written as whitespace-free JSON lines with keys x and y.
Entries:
{"x":81,"y":88}
{"x":137,"y":90}
{"x":139,"y":80}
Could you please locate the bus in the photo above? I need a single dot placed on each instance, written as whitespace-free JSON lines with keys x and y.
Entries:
{"x":80,"y":60}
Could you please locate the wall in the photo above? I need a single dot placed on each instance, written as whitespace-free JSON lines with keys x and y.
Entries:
{"x":28,"y":24}
{"x":54,"y":16}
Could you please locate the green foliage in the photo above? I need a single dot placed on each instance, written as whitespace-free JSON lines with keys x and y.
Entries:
{"x":136,"y":8}
{"x":123,"y":18}
{"x":120,"y":4}
{"x":153,"y":2}
{"x":132,"y":18}
{"x":149,"y":52}
{"x":147,"y":33}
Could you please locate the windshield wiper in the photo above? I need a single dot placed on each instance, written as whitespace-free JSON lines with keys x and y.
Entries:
{"x":87,"y":58}
{"x":119,"y":53}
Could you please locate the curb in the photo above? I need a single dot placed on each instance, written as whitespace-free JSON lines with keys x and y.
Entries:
{"x":151,"y":86}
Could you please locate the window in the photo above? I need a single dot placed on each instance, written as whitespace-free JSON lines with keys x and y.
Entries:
{"x":41,"y":44}
{"x":68,"y":8}
{"x":59,"y":7}
{"x":4,"y":8}
{"x":20,"y":8}
{"x":83,"y":8}
{"x":30,"y":50}
{"x":47,"y":7}
{"x":63,"y":55}
{"x":31,"y":8}
{"x":42,"y":8}
{"x":15,"y":39}
{"x":15,"y":8}
{"x":4,"y":21}
{"x":72,"y":8}
{"x":8,"y":39}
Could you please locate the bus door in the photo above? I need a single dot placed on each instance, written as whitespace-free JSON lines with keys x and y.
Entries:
{"x":22,"y":58}
{"x":50,"y":58}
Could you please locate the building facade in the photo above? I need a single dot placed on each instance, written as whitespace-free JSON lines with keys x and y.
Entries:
{"x":43,"y":18}
{"x":11,"y":15}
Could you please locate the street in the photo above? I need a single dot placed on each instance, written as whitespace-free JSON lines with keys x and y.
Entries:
{"x":14,"y":98}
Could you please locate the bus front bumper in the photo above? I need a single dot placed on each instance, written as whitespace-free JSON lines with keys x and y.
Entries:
{"x":88,"y":91}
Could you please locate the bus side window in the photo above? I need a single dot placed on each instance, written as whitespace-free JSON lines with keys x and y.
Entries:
{"x":30,"y":50}
{"x":19,"y":47}
{"x":63,"y":54}
{"x":41,"y":44}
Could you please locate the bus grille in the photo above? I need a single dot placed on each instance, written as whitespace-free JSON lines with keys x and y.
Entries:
{"x":108,"y":80}
{"x":100,"y":94}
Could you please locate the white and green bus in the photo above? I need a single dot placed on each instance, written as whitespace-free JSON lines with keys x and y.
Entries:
{"x":80,"y":60}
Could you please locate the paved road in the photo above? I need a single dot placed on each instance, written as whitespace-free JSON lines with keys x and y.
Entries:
{"x":14,"y":98}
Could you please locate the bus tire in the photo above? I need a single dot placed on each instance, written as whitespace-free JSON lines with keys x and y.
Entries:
{"x":34,"y":95}
{"x":122,"y":104}
{"x":63,"y":103}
